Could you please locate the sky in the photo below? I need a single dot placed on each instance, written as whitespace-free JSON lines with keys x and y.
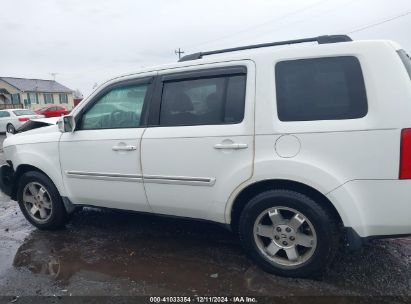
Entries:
{"x":86,"y":42}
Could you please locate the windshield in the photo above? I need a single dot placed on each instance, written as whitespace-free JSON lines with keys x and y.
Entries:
{"x":406,"y":60}
{"x":23,"y":112}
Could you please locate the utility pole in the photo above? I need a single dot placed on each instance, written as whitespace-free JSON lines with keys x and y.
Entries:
{"x":179,"y":52}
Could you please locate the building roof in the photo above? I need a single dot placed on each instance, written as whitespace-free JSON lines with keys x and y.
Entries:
{"x":36,"y":85}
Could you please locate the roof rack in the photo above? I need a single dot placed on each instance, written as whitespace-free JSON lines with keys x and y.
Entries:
{"x":320,"y":40}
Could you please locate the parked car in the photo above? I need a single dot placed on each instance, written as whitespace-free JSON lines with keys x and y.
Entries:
{"x":296,"y":149}
{"x":53,"y":111}
{"x":10,"y":120}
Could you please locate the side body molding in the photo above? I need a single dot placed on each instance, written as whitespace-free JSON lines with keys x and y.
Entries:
{"x":156,"y":179}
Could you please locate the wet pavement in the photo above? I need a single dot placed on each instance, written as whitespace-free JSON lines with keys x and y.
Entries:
{"x":106,"y":252}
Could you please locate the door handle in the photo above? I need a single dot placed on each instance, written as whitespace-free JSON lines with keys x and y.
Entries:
{"x":124,"y":148}
{"x":230,"y":146}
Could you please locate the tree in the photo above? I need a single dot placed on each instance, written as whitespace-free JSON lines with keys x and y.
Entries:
{"x":78,"y":94}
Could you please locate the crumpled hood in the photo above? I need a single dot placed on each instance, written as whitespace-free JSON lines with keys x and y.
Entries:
{"x":39,"y":134}
{"x":36,"y":123}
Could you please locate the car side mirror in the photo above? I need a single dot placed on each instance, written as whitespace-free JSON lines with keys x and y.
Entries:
{"x":66,"y":124}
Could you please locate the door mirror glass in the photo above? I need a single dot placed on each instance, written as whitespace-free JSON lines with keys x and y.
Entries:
{"x":66,"y":124}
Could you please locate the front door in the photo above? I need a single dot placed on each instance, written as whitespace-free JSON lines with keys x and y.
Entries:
{"x":200,"y":145}
{"x":100,"y":160}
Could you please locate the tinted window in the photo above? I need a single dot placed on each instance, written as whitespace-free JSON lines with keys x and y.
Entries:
{"x":4,"y":114}
{"x":320,"y":89}
{"x":406,"y":60}
{"x":203,"y":101}
{"x":119,"y":108}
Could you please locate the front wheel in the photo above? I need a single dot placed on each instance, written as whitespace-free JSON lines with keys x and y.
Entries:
{"x":289,"y":234}
{"x":40,"y":201}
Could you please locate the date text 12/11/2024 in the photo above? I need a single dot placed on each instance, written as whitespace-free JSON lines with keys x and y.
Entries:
{"x":205,"y":299}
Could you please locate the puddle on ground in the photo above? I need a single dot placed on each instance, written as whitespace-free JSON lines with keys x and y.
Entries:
{"x":174,"y":254}
{"x":113,"y":250}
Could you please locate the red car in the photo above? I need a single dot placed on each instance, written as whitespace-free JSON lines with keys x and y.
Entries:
{"x":53,"y":111}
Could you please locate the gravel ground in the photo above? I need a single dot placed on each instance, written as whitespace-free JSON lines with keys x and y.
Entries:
{"x":105,"y":252}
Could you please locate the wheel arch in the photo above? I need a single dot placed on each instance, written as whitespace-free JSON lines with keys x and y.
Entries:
{"x":8,"y":124}
{"x":20,"y":170}
{"x":253,"y":189}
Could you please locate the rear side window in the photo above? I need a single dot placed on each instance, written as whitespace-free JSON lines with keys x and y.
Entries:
{"x":406,"y":60}
{"x":203,"y":101}
{"x":320,"y":89}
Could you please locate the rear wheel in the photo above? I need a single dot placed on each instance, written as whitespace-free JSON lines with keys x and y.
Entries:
{"x":11,"y":129}
{"x":40,"y":201}
{"x":289,"y":234}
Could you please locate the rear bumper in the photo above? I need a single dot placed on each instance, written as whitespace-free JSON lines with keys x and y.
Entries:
{"x":6,"y":179}
{"x":375,"y":208}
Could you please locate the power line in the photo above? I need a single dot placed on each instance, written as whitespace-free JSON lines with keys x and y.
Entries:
{"x":262,"y":24}
{"x":380,"y":22}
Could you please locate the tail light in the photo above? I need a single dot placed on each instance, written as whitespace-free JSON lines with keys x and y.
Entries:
{"x":405,"y":158}
{"x":23,"y":118}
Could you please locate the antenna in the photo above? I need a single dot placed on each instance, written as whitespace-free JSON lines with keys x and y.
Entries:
{"x":54,"y":75}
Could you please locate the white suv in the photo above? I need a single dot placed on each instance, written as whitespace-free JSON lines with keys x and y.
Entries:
{"x":296,"y":148}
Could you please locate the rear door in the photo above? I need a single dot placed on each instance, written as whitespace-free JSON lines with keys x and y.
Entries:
{"x":51,"y":112}
{"x":59,"y":111}
{"x":199,"y":145}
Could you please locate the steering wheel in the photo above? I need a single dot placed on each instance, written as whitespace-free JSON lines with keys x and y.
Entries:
{"x":118,"y":118}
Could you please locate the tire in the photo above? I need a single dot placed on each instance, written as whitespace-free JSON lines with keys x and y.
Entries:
{"x":51,"y":213}
{"x":274,"y":225}
{"x":11,"y":129}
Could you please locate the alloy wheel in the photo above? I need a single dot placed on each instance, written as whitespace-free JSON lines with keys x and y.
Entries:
{"x":37,"y":202}
{"x":285,"y":236}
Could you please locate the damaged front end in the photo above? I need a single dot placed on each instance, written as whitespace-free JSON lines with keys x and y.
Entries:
{"x":35,"y":124}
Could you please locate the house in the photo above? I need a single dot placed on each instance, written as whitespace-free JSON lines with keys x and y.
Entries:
{"x":33,"y":94}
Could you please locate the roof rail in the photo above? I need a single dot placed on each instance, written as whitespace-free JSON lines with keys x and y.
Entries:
{"x":320,"y":40}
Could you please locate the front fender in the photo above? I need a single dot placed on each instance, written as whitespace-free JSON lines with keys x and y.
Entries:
{"x":45,"y":157}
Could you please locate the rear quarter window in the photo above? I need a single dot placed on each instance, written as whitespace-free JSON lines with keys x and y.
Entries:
{"x":406,"y":60}
{"x":329,"y":88}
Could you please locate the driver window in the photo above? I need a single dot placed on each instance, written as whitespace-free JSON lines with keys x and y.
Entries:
{"x":119,"y":108}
